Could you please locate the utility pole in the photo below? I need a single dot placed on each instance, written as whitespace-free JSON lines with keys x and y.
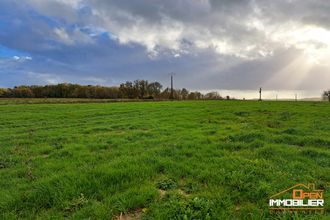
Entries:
{"x":276,"y":97}
{"x":260,"y":94}
{"x":296,"y":97}
{"x":172,"y":89}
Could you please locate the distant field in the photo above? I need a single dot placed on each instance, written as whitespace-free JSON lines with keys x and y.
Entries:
{"x":159,"y":160}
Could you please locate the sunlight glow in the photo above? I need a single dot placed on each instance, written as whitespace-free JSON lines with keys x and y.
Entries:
{"x":314,"y":41}
{"x":291,"y":75}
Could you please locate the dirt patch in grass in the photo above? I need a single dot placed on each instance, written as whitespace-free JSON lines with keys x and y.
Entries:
{"x":162,"y":193}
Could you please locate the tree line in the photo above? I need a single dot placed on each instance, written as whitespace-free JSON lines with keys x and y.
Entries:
{"x":138,"y":89}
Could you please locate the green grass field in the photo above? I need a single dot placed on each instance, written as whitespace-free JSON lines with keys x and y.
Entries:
{"x":160,"y":160}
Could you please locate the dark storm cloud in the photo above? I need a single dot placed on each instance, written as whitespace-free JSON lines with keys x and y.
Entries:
{"x":211,"y":44}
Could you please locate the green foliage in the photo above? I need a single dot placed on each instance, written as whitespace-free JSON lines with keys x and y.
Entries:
{"x":178,"y":208}
{"x":77,"y":203}
{"x":139,"y":89}
{"x":2,"y":92}
{"x":173,"y":160}
{"x":166,"y":184}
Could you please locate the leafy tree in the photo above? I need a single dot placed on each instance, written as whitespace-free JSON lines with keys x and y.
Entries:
{"x":195,"y":95}
{"x":139,"y":89}
{"x":154,"y":89}
{"x":20,"y":92}
{"x":212,"y":95}
{"x":127,"y":90}
{"x":184,"y":93}
{"x":3,"y":92}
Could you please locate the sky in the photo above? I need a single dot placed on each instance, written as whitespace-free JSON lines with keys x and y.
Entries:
{"x":280,"y":45}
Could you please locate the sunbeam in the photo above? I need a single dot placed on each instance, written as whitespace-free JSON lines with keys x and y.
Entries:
{"x":290,"y":76}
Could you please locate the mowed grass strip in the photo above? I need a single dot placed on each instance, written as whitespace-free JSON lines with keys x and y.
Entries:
{"x":160,"y":160}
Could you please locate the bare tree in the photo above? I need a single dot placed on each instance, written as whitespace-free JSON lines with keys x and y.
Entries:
{"x":326,"y":95}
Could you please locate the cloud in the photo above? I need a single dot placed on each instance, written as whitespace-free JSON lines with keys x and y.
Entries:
{"x":44,"y":78}
{"x":211,"y":44}
{"x":22,"y":58}
{"x":73,"y":37}
{"x":244,"y":28}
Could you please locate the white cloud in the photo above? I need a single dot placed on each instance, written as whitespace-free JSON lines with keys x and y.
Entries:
{"x":45,"y":78}
{"x":248,"y":29}
{"x":63,"y":36}
{"x":73,"y":37}
{"x":22,"y":58}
